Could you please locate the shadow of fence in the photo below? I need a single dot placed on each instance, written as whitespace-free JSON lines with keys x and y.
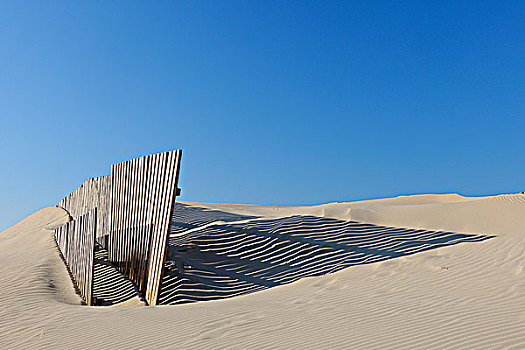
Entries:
{"x":110,"y":286}
{"x":223,"y":260}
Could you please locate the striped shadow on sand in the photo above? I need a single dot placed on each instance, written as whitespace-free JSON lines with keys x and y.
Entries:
{"x":244,"y":254}
{"x":110,"y":286}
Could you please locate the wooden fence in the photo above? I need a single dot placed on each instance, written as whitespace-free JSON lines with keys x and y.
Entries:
{"x":76,"y":241}
{"x":93,"y":193}
{"x":143,"y":196}
{"x":134,"y":207}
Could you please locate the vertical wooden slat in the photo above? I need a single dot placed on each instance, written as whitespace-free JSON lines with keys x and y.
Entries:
{"x":145,"y":224}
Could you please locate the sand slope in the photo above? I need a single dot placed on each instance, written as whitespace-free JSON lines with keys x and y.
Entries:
{"x":466,"y":296}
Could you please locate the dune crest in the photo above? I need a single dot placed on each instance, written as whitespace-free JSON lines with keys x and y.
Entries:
{"x":450,"y":212}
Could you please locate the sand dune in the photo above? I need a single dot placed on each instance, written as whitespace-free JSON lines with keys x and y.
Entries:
{"x":457,"y":289}
{"x":250,"y":254}
{"x":448,"y":212}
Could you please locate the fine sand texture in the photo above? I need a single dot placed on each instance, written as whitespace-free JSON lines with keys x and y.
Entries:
{"x":412,"y":272}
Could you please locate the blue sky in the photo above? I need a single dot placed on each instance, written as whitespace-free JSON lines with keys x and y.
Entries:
{"x":288,"y":103}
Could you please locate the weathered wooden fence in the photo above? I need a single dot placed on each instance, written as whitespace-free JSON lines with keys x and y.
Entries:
{"x":134,"y":207}
{"x":95,"y":192}
{"x":76,"y":241}
{"x":143,"y":196}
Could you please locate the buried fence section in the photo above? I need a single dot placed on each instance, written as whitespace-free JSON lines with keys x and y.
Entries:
{"x":95,"y":192}
{"x":83,"y":199}
{"x":76,"y":241}
{"x":143,"y":192}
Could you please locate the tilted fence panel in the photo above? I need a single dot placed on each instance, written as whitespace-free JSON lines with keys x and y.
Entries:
{"x":143,"y":196}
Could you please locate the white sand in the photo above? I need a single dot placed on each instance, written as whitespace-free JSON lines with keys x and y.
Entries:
{"x":466,"y":296}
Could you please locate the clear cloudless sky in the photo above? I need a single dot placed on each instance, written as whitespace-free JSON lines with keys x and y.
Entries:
{"x":290,"y":103}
